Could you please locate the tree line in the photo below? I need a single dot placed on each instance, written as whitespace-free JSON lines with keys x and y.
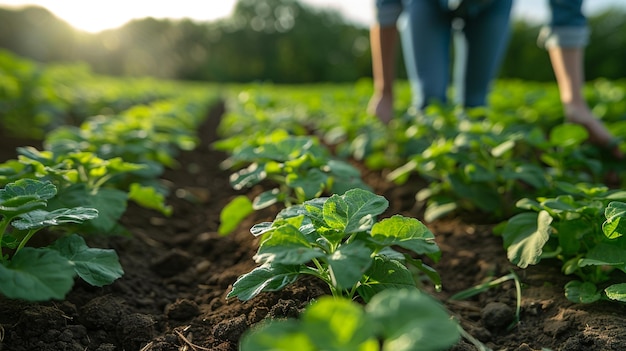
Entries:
{"x":283,"y":41}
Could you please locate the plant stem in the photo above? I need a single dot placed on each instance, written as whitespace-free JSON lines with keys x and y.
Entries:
{"x":3,"y":226}
{"x":25,"y":239}
{"x":479,"y":345}
{"x":518,"y":300}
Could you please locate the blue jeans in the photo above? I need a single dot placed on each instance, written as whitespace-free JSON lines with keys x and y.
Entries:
{"x":425,"y":28}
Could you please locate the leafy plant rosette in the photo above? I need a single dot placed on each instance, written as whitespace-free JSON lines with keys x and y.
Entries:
{"x":338,"y":240}
{"x":585,"y":229}
{"x":393,"y":320}
{"x":84,"y":179}
{"x":298,"y":167}
{"x":44,"y":273}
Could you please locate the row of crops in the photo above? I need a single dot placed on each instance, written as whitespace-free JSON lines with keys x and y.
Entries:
{"x":515,"y":163}
{"x":96,"y":156}
{"x":107,"y":141}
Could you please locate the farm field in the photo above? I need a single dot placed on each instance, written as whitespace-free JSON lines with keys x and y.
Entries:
{"x":459,"y":174}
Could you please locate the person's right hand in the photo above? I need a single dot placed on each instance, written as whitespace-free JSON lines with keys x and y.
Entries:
{"x":598,"y":134}
{"x":381,"y":105}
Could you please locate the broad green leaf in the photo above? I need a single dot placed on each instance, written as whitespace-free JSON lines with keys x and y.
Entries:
{"x":483,"y":195}
{"x":581,"y":292}
{"x":42,"y":189}
{"x":268,"y":277}
{"x":39,"y":218}
{"x":294,"y":211}
{"x":30,"y":152}
{"x":501,"y":149}
{"x":524,"y":237}
{"x":429,"y":271}
{"x":405,"y":232}
{"x":411,"y":320}
{"x":561,"y":204}
{"x":248,"y":177}
{"x":615,"y":224}
{"x":110,"y":203}
{"x":337,"y":324}
{"x":98,"y":267}
{"x":309,"y":185}
{"x":385,"y":274}
{"x":149,"y":197}
{"x":528,"y":204}
{"x":9,"y":241}
{"x":616,"y":292}
{"x":437,"y":209}
{"x":117,"y":165}
{"x":287,"y":149}
{"x":277,"y":335}
{"x":261,"y":228}
{"x":36,"y":274}
{"x":342,"y":169}
{"x":568,"y":135}
{"x":233,"y":213}
{"x":354,"y":211}
{"x":617,"y":195}
{"x":570,"y":234}
{"x":532,"y":174}
{"x":605,"y":254}
{"x":25,"y":195}
{"x":476,"y":173}
{"x":286,"y":245}
{"x":314,"y":209}
{"x":344,"y":177}
{"x":266,"y":199}
{"x":348,"y":264}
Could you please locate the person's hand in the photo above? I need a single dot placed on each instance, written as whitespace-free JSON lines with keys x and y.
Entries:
{"x":381,"y":105}
{"x":598,"y":134}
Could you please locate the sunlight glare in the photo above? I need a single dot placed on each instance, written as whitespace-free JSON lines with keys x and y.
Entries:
{"x":95,"y":16}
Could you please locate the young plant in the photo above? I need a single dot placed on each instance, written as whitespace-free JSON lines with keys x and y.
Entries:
{"x":338,"y":240}
{"x":299,"y":167}
{"x":45,"y":273}
{"x":584,"y":228}
{"x":398,"y":320}
{"x":83,"y":179}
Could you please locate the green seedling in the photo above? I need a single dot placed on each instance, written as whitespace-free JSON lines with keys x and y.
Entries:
{"x":584,"y":228}
{"x":45,"y":273}
{"x":299,"y":167}
{"x":83,"y":179}
{"x":338,"y":240}
{"x":398,"y":320}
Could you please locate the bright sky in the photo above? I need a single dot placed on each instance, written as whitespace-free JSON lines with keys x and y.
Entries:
{"x":94,"y":16}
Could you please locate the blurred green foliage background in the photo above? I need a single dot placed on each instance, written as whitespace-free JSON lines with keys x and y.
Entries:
{"x":282,"y":41}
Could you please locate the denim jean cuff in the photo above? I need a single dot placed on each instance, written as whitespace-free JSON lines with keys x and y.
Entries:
{"x":564,"y":37}
{"x":388,"y":15}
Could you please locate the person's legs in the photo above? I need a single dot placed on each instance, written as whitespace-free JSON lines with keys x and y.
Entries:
{"x":487,"y":36}
{"x":425,"y":34}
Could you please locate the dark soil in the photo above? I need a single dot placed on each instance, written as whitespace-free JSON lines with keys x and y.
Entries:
{"x":178,"y":271}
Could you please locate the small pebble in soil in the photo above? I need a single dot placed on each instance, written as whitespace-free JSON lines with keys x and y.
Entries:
{"x":497,"y":315}
{"x":203,"y":266}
